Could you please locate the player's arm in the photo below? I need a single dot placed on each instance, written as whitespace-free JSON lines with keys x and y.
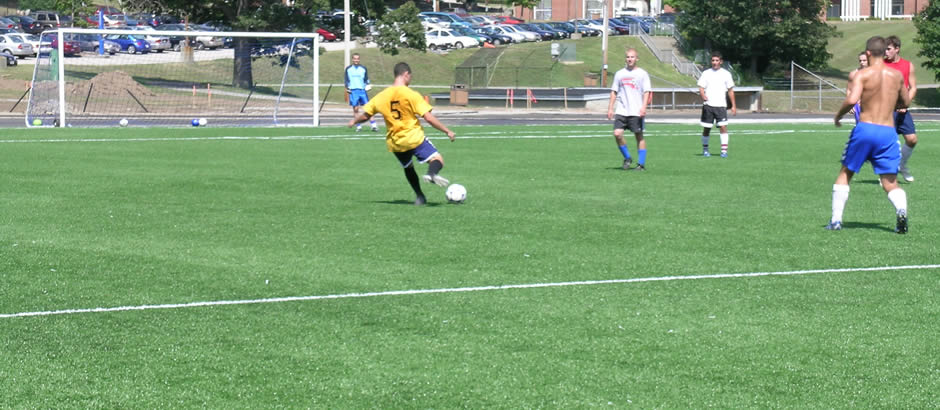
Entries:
{"x":647,"y":97}
{"x":855,"y":93}
{"x":912,"y":80}
{"x":431,"y":119}
{"x":701,"y":91}
{"x":610,"y":105}
{"x":346,"y":79}
{"x":734,"y":104}
{"x":904,"y":96}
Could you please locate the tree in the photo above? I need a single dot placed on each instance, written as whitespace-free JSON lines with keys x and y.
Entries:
{"x":524,"y":4}
{"x":401,"y":28}
{"x":927,"y":23}
{"x":760,"y":32}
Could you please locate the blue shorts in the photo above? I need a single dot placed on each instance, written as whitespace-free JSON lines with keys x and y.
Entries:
{"x":358,"y":97}
{"x":423,"y":152}
{"x":904,"y":123}
{"x":875,"y":143}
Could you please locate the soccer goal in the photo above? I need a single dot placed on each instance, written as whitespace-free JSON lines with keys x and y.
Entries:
{"x":98,"y":78}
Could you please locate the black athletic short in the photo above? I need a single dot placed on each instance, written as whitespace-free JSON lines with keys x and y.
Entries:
{"x":634,"y":124}
{"x":710,"y":115}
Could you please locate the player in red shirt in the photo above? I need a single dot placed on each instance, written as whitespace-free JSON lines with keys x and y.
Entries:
{"x":903,"y":121}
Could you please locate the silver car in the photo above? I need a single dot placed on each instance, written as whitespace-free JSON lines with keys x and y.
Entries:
{"x":157,"y":42}
{"x":15,"y":45}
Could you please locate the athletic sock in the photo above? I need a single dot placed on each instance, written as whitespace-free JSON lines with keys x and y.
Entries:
{"x":705,"y":143}
{"x":906,"y":151}
{"x":898,"y":198}
{"x":372,"y":122}
{"x":434,"y":167}
{"x":840,"y":195}
{"x":413,"y":180}
{"x":724,"y":142}
{"x":624,"y":151}
{"x":641,"y":153}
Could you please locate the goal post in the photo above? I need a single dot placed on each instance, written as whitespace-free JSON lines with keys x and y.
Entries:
{"x":230,"y":79}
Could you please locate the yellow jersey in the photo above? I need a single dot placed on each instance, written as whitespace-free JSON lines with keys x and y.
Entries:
{"x":401,"y":107}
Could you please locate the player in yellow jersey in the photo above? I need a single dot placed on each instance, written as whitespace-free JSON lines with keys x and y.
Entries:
{"x":401,"y":106}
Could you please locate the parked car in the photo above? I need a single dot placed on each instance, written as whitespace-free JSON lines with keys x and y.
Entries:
{"x":110,"y":20}
{"x":466,"y":32}
{"x":146,"y":19}
{"x":86,"y":42}
{"x":9,"y":23}
{"x":210,"y":42}
{"x":496,"y":37}
{"x":615,"y":28}
{"x":529,"y":36}
{"x":32,"y":39}
{"x":633,"y":21}
{"x":47,"y":19}
{"x":450,"y":18}
{"x":27,"y":24}
{"x":326,"y":35}
{"x":158,"y":43}
{"x":559,"y":33}
{"x":448,"y":39}
{"x":50,"y":41}
{"x":131,"y":43}
{"x":15,"y":45}
{"x":544,"y":34}
{"x":508,"y":20}
{"x":200,"y":42}
{"x":176,"y":42}
{"x":516,"y":36}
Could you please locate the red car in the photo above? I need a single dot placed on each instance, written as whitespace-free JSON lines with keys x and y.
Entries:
{"x":509,"y":20}
{"x":326,"y":35}
{"x":51,"y":42}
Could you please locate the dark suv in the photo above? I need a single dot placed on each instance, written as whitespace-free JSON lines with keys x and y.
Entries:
{"x":49,"y":19}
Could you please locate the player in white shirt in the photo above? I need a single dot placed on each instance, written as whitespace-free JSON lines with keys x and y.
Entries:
{"x":630,"y":92}
{"x":713,"y":85}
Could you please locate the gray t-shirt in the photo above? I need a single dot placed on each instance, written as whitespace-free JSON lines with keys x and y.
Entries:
{"x":630,"y":86}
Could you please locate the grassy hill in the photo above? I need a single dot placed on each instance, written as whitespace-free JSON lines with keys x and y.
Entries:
{"x":845,"y":49}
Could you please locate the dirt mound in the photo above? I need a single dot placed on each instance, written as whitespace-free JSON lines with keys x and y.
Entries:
{"x":112,"y":83}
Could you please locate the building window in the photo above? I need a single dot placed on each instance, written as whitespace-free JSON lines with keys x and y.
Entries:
{"x":897,"y":7}
{"x":543,"y":11}
{"x":834,"y":9}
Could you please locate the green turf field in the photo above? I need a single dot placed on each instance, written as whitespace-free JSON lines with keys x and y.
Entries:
{"x":134,"y":218}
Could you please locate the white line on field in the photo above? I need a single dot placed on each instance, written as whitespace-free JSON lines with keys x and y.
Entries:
{"x":456,"y":290}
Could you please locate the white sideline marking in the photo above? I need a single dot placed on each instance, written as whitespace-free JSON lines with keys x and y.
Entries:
{"x":455,"y":290}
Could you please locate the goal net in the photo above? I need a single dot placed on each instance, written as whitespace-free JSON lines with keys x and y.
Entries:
{"x":98,"y":78}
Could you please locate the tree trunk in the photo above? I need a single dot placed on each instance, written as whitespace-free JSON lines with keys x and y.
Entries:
{"x":241,"y":77}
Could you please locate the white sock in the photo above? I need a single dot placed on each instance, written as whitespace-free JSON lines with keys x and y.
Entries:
{"x":898,"y":198}
{"x":724,"y":142}
{"x":705,"y":142}
{"x":906,"y":151}
{"x":840,"y":195}
{"x":372,"y":122}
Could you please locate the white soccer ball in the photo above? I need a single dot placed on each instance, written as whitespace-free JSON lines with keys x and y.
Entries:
{"x":203,"y":122}
{"x":123,"y":122}
{"x":456,"y":193}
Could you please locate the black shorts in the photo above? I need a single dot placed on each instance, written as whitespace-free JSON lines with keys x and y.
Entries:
{"x":711,"y":115}
{"x":634,"y":124}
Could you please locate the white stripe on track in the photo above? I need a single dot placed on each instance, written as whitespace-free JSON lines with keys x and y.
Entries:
{"x":456,"y":290}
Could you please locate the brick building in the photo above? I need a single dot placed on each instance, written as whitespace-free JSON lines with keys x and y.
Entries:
{"x":855,"y":10}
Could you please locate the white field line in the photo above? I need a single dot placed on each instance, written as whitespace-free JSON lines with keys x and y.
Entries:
{"x":457,"y":290}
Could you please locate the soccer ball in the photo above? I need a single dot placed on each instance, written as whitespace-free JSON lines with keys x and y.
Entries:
{"x":203,"y":122}
{"x":195,"y":122}
{"x":123,"y":122}
{"x":456,"y":193}
{"x":37,"y":122}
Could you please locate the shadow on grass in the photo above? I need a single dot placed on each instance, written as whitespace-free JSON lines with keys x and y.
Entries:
{"x":866,"y":225}
{"x":404,"y":202}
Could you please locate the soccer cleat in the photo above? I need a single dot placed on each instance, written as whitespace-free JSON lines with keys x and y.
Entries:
{"x":901,"y":227}
{"x":626,"y":163}
{"x":834,"y":226}
{"x":437,"y":180}
{"x":724,"y":154}
{"x":906,"y":173}
{"x":639,"y":168}
{"x":358,"y":128}
{"x":706,"y":154}
{"x":375,"y":129}
{"x":420,"y":200}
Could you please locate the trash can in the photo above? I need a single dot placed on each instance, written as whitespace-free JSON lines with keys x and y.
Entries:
{"x":459,"y":95}
{"x":591,"y":79}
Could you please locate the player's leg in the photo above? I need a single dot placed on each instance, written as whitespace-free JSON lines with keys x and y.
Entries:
{"x":365,"y":99}
{"x":619,"y":125}
{"x":404,"y":158}
{"x":840,"y":195}
{"x":904,"y":125}
{"x":707,"y":123}
{"x":722,"y":114}
{"x":427,"y":153}
{"x":885,"y":160}
{"x":636,"y":126}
